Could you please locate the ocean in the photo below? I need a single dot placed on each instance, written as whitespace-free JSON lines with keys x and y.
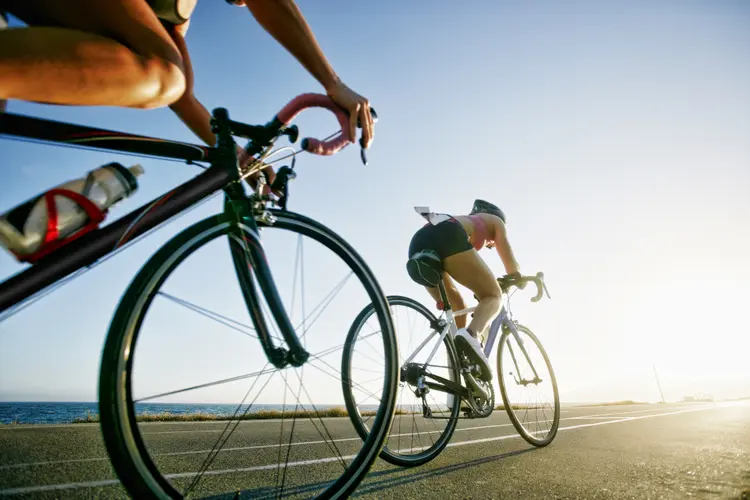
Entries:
{"x":63,"y":413}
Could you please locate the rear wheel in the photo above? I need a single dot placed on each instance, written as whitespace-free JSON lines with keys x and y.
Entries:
{"x":422,"y":426}
{"x":305,"y":450}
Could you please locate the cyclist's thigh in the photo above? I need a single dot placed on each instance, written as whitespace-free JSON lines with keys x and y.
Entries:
{"x":470,"y":270}
{"x":130,"y":22}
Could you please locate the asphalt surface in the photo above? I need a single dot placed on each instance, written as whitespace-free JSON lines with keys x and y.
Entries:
{"x":689,"y":450}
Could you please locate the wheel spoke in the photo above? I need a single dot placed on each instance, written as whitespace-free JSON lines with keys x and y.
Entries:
{"x":142,"y":323}
{"x":221,"y":442}
{"x":406,"y":443}
{"x":210,"y":314}
{"x":207,"y":384}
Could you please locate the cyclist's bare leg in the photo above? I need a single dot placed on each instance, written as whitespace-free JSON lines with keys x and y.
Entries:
{"x":89,"y":53}
{"x":471,"y":271}
{"x":454,"y":297}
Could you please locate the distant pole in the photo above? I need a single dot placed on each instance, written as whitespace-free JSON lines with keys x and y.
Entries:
{"x":657,"y":383}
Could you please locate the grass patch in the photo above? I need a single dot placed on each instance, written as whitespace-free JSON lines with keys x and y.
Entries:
{"x":212,"y":417}
{"x":522,"y":407}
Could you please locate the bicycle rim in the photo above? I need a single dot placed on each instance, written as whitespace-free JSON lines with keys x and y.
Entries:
{"x":125,"y":443}
{"x":414,"y":438}
{"x":535,"y":418}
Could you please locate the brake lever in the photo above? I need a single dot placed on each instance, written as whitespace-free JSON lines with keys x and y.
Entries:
{"x":362,"y":154}
{"x":283,"y":176}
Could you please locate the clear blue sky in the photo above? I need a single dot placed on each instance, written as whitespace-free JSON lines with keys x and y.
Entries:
{"x":615,"y":139}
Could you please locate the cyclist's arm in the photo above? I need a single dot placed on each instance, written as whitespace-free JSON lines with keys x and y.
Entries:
{"x":502,"y":246}
{"x":283,"y":20}
{"x":189,"y":109}
{"x":285,"y":23}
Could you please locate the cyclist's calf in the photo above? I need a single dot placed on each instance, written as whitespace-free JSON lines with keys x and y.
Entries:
{"x":490,"y":301}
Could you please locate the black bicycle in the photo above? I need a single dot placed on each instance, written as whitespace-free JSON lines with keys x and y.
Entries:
{"x":154,"y":313}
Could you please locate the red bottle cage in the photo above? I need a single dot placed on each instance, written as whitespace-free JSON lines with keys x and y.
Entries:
{"x":51,"y":241}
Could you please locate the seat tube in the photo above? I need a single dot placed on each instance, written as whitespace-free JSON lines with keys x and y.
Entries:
{"x":444,"y":296}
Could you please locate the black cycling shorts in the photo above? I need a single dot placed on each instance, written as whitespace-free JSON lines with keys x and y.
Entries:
{"x":446,"y":238}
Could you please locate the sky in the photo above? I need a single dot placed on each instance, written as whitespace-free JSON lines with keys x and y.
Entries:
{"x":615,"y":139}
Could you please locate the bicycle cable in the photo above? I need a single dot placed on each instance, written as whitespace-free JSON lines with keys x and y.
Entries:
{"x":12,"y":311}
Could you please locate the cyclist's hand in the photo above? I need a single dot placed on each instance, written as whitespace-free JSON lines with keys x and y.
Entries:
{"x":358,"y":108}
{"x":518,"y":284}
{"x":512,"y":280}
{"x":252,"y":181}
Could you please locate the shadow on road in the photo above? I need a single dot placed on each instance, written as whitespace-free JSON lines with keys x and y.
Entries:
{"x":383,"y":479}
{"x":388,"y":482}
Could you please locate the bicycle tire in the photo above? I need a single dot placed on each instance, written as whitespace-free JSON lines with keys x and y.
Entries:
{"x":131,"y":461}
{"x":525,"y":434}
{"x":392,"y":457}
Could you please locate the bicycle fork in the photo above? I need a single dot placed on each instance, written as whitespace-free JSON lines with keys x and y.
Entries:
{"x":248,"y":256}
{"x":519,"y":380}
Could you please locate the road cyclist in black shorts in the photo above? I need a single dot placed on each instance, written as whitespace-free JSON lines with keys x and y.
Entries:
{"x":447,"y":247}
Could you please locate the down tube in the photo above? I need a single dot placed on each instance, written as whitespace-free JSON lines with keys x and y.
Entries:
{"x":100,"y":242}
{"x":297,"y":353}
{"x":494,"y":328}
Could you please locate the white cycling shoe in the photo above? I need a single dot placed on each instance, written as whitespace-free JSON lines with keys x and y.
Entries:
{"x":473,"y":349}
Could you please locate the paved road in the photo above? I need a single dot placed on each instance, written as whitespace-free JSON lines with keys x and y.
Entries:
{"x":640,"y":451}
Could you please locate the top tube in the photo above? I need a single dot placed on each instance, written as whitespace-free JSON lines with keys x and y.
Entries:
{"x":464,"y":312}
{"x":51,"y":131}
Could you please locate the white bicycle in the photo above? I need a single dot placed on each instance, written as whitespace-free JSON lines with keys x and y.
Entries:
{"x":423,"y":426}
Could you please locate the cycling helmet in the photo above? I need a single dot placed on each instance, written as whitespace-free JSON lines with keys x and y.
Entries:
{"x":485,"y":207}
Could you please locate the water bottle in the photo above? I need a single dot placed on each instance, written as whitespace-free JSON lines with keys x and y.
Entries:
{"x":24,"y":229}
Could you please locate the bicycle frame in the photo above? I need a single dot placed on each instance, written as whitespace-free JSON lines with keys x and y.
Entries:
{"x":504,"y":319}
{"x":223,"y":174}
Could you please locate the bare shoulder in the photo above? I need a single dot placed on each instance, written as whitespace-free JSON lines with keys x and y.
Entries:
{"x":494,"y":224}
{"x":488,"y":219}
{"x":466,"y":222}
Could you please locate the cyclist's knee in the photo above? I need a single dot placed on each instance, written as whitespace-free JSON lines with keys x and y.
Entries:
{"x":490,"y":292}
{"x":163,"y":83}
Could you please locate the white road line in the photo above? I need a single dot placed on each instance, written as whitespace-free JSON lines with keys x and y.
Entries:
{"x":592,"y":418}
{"x":109,"y":482}
{"x":298,"y":443}
{"x":513,"y":436}
{"x":581,"y":426}
{"x":627,"y":412}
{"x":52,"y":487}
{"x":50,"y":462}
{"x":94,"y":484}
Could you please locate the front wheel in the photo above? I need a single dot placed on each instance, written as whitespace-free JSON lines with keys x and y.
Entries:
{"x":528,"y":386}
{"x":182,"y":344}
